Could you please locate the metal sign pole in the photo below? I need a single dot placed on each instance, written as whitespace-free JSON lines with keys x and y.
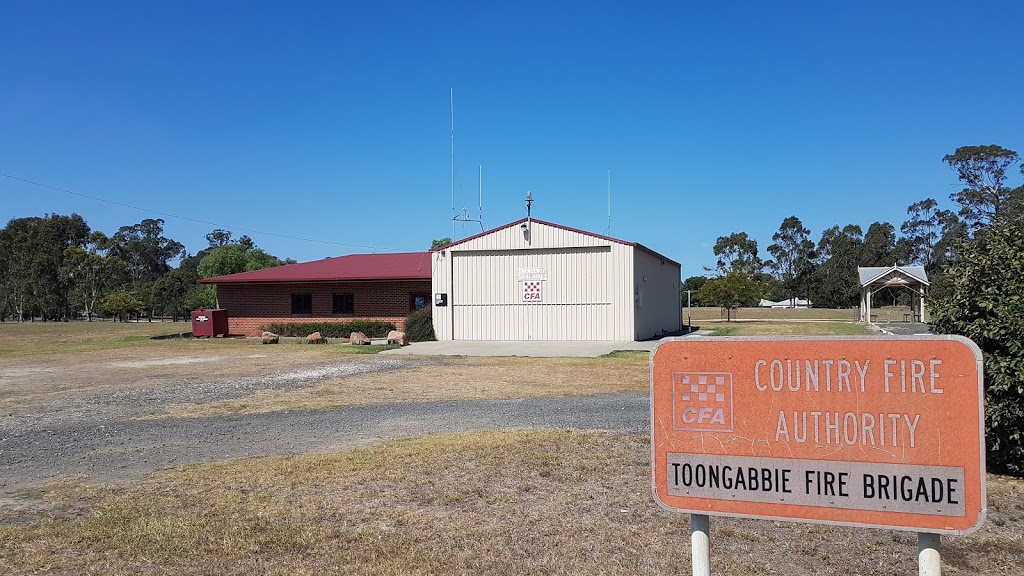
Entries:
{"x":929,"y":561}
{"x":700,"y":541}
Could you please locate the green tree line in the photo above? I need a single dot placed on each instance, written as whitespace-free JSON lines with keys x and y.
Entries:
{"x":824,"y":271}
{"x":56,"y":267}
{"x":973,"y":253}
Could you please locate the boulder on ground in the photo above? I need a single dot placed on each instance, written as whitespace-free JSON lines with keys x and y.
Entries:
{"x":315,"y":338}
{"x":396,"y":337}
{"x":358,"y":338}
{"x":270,"y":338}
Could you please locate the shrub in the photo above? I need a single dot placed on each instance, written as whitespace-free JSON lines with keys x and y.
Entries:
{"x":122,"y":303}
{"x":984,"y":301}
{"x":419,"y":326}
{"x":372,"y":328}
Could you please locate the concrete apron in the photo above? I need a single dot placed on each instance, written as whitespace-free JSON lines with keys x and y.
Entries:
{"x":532,"y":348}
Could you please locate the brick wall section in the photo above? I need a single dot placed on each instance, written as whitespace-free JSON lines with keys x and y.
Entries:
{"x":251,"y":306}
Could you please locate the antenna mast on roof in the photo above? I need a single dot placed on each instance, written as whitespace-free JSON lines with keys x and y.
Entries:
{"x":465,"y":211}
{"x":452,"y":103}
{"x":608,"y":232}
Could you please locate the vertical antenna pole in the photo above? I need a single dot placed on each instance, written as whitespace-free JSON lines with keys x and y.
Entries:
{"x":481,"y":195}
{"x":452,"y":102}
{"x":609,"y":202}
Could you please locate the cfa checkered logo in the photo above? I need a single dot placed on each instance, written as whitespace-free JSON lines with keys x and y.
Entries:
{"x":702,"y":401}
{"x":532,"y":291}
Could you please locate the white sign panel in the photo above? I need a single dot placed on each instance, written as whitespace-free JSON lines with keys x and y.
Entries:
{"x":533,"y":291}
{"x":524,"y":274}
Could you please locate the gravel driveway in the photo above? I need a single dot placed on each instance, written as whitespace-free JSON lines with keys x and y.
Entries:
{"x":105,"y":436}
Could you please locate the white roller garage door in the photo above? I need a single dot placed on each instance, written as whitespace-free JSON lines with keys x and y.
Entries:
{"x":568,"y":295}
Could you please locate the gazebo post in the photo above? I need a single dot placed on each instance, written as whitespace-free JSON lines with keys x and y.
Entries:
{"x":867,"y":318}
{"x":921,"y":292}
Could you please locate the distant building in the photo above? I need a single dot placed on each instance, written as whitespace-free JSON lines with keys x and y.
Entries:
{"x":787,"y":303}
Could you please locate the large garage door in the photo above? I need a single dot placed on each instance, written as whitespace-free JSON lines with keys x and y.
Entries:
{"x":557,"y":294}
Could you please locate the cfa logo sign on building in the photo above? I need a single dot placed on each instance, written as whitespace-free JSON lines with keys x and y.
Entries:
{"x":883,"y":432}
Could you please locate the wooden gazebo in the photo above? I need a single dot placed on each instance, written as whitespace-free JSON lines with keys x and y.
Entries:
{"x":911,"y":278}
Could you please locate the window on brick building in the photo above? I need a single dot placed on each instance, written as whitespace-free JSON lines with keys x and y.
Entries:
{"x":417,"y":302}
{"x":302,"y":303}
{"x":343,"y":304}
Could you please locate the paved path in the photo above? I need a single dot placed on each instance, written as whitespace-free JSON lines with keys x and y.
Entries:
{"x":905,"y":328}
{"x":533,"y":348}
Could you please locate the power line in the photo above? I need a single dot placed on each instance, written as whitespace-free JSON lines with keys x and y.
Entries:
{"x":186,"y":218}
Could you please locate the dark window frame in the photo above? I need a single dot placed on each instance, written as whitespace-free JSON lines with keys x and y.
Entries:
{"x":302,"y":304}
{"x":412,"y":300}
{"x":343,"y":304}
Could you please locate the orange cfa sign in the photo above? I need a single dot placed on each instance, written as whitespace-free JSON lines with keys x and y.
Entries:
{"x":876,"y":432}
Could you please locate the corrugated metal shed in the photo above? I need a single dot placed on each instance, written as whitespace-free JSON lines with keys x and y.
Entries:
{"x":534,"y":280}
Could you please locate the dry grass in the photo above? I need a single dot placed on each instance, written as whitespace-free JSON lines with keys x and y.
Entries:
{"x":786,"y":328}
{"x":40,"y":338}
{"x":34,"y":339}
{"x":700,"y":315}
{"x":516,"y":502}
{"x":464,"y":378}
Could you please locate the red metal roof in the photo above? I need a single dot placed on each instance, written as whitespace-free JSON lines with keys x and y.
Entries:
{"x":401,"y":266}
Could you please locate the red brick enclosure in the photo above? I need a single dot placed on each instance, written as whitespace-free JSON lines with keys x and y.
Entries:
{"x":252,"y":306}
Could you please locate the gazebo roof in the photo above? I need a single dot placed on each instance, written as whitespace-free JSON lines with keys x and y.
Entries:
{"x":892,"y":274}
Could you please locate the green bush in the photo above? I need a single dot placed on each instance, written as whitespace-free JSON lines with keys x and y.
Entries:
{"x":984,"y":301}
{"x":372,"y":328}
{"x":419,"y":326}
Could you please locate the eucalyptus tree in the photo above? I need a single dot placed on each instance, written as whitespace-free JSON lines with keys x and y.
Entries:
{"x":737,"y":252}
{"x":793,"y":253}
{"x":834,"y":281}
{"x":91,"y":274}
{"x":880,"y":246}
{"x":144,"y":249}
{"x":32,"y":251}
{"x":929,"y":235}
{"x":986,"y":196}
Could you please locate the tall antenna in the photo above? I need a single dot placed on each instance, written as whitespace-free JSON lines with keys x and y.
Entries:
{"x":609,"y":230}
{"x":465,"y":211}
{"x":452,"y":100}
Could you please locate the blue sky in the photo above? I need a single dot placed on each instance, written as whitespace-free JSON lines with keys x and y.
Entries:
{"x":329,"y":121}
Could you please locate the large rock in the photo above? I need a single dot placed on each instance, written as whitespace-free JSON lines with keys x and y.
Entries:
{"x":270,"y":338}
{"x":396,"y":337}
{"x":315,"y":338}
{"x":358,"y":338}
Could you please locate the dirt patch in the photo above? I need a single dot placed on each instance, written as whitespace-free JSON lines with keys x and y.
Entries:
{"x":470,"y":378}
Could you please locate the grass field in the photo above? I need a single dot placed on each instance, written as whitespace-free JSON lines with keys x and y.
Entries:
{"x":512,"y":502}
